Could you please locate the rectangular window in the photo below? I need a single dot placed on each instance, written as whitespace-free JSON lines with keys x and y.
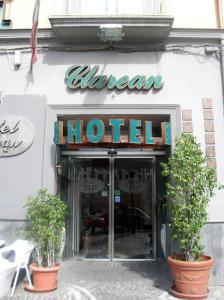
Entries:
{"x":114,"y":7}
{"x":5,"y":23}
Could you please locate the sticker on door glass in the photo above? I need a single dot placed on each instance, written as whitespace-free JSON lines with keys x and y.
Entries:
{"x":117,"y":199}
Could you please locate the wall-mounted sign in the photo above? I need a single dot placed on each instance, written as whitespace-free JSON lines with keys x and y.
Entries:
{"x":16,"y":135}
{"x":133,"y":186}
{"x":139,"y":132}
{"x":84,"y":76}
{"x":91,"y":186}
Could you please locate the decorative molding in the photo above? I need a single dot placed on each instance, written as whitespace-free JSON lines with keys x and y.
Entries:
{"x":173,"y":110}
{"x":209,"y":130}
{"x":24,"y":35}
{"x":207,"y":103}
{"x":186,"y":115}
{"x":211,"y":163}
{"x":144,"y":20}
{"x":114,"y":106}
{"x":208,"y":114}
{"x":210,"y":151}
{"x":199,"y":35}
{"x":175,"y":36}
{"x":187,"y":125}
{"x":209,"y":126}
{"x":209,"y":138}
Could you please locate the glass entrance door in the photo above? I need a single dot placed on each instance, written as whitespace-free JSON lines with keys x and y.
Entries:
{"x":114,"y":208}
{"x":92,"y":207}
{"x":133,"y":208}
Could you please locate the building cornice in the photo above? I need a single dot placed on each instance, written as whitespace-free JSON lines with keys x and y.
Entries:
{"x":195,"y":35}
{"x":22,"y":35}
{"x":47,"y":37}
{"x":73,"y":20}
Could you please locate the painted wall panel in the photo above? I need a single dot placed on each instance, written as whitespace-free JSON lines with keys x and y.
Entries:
{"x":22,"y":175}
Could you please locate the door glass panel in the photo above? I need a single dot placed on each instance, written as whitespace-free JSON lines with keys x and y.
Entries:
{"x":92,"y":207}
{"x":133,"y":209}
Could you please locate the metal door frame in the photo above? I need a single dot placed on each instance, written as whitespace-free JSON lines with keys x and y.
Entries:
{"x":74,"y":204}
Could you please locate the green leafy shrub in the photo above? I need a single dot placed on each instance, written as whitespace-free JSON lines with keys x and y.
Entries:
{"x":189,"y":188}
{"x":46,"y":220}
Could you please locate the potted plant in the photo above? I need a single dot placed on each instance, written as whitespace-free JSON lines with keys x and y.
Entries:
{"x":190,"y":186}
{"x":46,"y":218}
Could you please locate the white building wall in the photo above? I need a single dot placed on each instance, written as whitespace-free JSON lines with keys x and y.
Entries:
{"x":187,"y":79}
{"x":21,"y":12}
{"x":187,"y":13}
{"x":192,"y":13}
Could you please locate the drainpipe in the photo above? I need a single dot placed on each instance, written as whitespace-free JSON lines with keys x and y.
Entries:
{"x":222,"y":66}
{"x":220,"y":25}
{"x":219,"y":13}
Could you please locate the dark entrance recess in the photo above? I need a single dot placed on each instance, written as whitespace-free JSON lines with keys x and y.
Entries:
{"x":114,"y":198}
{"x":114,"y":208}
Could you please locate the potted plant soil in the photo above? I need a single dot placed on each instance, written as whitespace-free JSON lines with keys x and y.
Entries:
{"x":46,"y":220}
{"x":190,"y":186}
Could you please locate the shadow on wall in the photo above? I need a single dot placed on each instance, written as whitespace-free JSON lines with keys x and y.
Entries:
{"x":102,"y":58}
{"x":213,"y":242}
{"x":11,"y":230}
{"x":105,"y":59}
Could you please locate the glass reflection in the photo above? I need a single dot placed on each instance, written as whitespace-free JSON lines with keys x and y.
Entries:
{"x":92,"y":178}
{"x":133,"y":225}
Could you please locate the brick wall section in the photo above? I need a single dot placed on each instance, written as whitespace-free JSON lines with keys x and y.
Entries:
{"x":187,"y":125}
{"x":209,"y":132}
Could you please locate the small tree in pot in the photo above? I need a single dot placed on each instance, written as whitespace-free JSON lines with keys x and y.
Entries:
{"x":46,"y":220}
{"x":190,"y":187}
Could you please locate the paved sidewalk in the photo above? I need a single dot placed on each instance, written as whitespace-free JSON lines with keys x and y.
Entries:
{"x":89,"y":280}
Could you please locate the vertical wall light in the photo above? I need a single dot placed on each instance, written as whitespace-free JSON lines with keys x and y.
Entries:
{"x":59,"y":169}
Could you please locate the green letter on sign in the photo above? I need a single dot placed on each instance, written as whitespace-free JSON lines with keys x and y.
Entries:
{"x":75,"y":131}
{"x":116,"y":123}
{"x":148,"y":133}
{"x":135,"y":132}
{"x":166,"y":133}
{"x":58,"y":132}
{"x":95,"y":131}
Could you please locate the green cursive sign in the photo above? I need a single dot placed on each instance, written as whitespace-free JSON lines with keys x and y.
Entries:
{"x":84,"y":76}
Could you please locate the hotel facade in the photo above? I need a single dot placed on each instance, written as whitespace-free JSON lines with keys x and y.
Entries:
{"x":114,"y":83}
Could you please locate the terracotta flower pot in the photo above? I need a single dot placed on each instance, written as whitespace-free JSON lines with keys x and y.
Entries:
{"x":191,"y":278}
{"x":44,"y":279}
